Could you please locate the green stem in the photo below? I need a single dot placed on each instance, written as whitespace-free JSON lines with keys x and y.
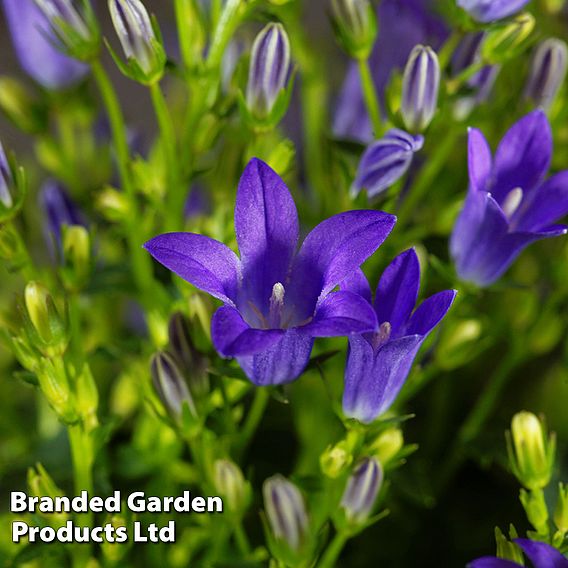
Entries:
{"x":427,"y":175}
{"x":82,"y":457}
{"x":141,"y":267}
{"x":333,"y":551}
{"x":481,"y":412}
{"x":175,"y":190}
{"x":256,"y":412}
{"x":185,"y":16}
{"x":370,"y":96}
{"x":241,"y":539}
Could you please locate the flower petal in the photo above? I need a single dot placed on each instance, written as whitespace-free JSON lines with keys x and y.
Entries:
{"x":332,"y":252}
{"x":206,"y":263}
{"x":542,"y":555}
{"x":523,"y":156}
{"x":398,"y":290}
{"x":232,"y":336}
{"x":341,"y":313}
{"x":490,"y":10}
{"x":431,"y":312}
{"x":492,"y":562}
{"x":545,"y":205}
{"x":358,"y":284}
{"x":479,"y":159}
{"x":281,"y":363}
{"x":372,"y":381}
{"x":266,"y":225}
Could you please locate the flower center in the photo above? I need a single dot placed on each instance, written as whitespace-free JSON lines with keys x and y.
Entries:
{"x":512,"y":202}
{"x":276,"y":305}
{"x":382,"y":336}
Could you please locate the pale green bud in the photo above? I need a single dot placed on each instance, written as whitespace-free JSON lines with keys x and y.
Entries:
{"x":355,"y":25}
{"x":231,"y":485}
{"x":77,"y":255}
{"x":531,"y":453}
{"x":506,"y":41}
{"x":54,"y":384}
{"x":387,"y":445}
{"x":41,"y":484}
{"x":561,"y":510}
{"x":336,"y":459}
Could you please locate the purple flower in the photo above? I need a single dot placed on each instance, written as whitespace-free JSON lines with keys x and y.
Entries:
{"x":379,"y":362}
{"x":385,"y":161}
{"x":490,"y":10}
{"x":60,"y":210}
{"x":541,"y":555}
{"x":509,"y":204}
{"x":277,"y":299}
{"x":403,"y":24}
{"x":33,"y":40}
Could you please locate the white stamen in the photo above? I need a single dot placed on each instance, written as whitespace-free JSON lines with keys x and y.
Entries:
{"x":512,"y":202}
{"x":383,"y":335}
{"x":276,"y":304}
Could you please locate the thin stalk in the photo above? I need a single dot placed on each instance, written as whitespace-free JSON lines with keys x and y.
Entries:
{"x":81,"y":454}
{"x":184,"y":14}
{"x":370,"y":96}
{"x":329,"y":559}
{"x":427,"y":175}
{"x":141,"y":266}
{"x":256,"y":412}
{"x":175,"y":194}
{"x":481,"y":412}
{"x":241,"y":539}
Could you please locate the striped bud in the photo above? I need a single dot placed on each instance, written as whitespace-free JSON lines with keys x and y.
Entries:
{"x":231,"y":485}
{"x":286,"y":511}
{"x":6,"y":180}
{"x":547,"y":73}
{"x":385,"y":161}
{"x":362,"y":489}
{"x":138,"y":39}
{"x":269,"y":70}
{"x":421,"y":84}
{"x":170,"y":385}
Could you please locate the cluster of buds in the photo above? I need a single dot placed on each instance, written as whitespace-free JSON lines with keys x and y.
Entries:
{"x":507,"y":40}
{"x":289,"y":536}
{"x":547,"y":72}
{"x":141,"y":41}
{"x":531,"y":451}
{"x":420,"y":88}
{"x":76,"y":29}
{"x":12,"y":187}
{"x":355,"y":26}
{"x":269,"y":87}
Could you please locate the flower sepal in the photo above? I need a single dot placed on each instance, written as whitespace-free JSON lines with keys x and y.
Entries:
{"x":506,"y":41}
{"x":355,"y":25}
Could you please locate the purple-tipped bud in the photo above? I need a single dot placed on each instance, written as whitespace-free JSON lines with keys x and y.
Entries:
{"x":548,"y":71}
{"x":355,"y":25}
{"x":64,"y":11}
{"x":269,"y":69}
{"x":491,"y":10}
{"x":136,"y":34}
{"x":60,"y":210}
{"x":421,"y":84}
{"x":170,"y":385}
{"x":362,"y":489}
{"x":191,"y":361}
{"x":385,"y":161}
{"x":33,"y":39}
{"x":6,"y":180}
{"x":286,"y":511}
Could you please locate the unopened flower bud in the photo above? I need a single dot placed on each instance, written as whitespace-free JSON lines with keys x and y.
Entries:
{"x":507,"y":41}
{"x":54,"y":385}
{"x":6,"y":181}
{"x":47,"y":328}
{"x":286,"y":511}
{"x":41,"y":484}
{"x":421,"y":83}
{"x":87,"y":397}
{"x":561,"y":509}
{"x":191,"y":361}
{"x":335,"y":459}
{"x":77,"y":256}
{"x":77,"y":30}
{"x":231,"y":485}
{"x":387,"y":445}
{"x":547,"y":73}
{"x":12,"y":187}
{"x":355,"y":25}
{"x":531,"y":453}
{"x":362,"y":489}
{"x":21,"y":107}
{"x":143,"y":49}
{"x":269,"y":71}
{"x":170,"y":385}
{"x":385,"y":161}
